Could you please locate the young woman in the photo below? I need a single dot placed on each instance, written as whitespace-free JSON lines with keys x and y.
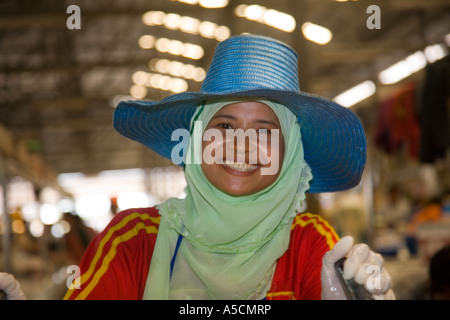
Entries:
{"x":256,"y":144}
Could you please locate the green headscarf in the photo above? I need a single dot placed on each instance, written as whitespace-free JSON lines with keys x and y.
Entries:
{"x":230,"y":243}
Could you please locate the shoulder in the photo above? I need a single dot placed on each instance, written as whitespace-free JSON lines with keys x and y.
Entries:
{"x":134,"y":218}
{"x":297,"y":274}
{"x":130,"y":228}
{"x":150,"y":213}
{"x":115,"y":264}
{"x":314,"y":227}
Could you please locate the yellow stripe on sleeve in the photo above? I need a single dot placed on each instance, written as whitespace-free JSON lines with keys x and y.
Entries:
{"x":86,"y":276}
{"x":320,"y":225}
{"x":112,"y":253}
{"x":290,"y":294}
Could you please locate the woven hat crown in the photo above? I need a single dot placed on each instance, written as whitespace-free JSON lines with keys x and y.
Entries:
{"x":244,"y":63}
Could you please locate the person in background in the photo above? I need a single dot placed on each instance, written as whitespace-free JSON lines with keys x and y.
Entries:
{"x":431,"y":212}
{"x":439,"y":275}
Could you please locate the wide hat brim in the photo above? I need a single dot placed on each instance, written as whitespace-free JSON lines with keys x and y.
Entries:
{"x":333,"y":137}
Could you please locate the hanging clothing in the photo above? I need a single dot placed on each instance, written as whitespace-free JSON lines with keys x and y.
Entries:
{"x":434,"y":111}
{"x":116,"y":263}
{"x":398,"y":126}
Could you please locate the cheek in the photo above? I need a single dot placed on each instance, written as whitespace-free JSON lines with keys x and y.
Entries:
{"x":208,"y":152}
{"x":212,"y":149}
{"x":281,"y":152}
{"x":271,"y":155}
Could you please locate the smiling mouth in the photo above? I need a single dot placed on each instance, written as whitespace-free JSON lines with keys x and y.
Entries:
{"x":241,"y":167}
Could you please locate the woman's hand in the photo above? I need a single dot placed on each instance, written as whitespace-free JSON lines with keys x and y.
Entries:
{"x":362,"y":264}
{"x":11,"y":287}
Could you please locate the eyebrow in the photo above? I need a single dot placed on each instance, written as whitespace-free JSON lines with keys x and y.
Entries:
{"x":260,"y":121}
{"x":268,"y":122}
{"x":226,"y":116}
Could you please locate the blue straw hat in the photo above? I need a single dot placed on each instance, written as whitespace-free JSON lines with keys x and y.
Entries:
{"x":264,"y":68}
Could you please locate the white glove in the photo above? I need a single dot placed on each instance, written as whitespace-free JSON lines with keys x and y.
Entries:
{"x":362,"y":264}
{"x":10,"y":286}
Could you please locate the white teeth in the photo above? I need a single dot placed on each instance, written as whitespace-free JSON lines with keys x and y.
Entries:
{"x":242,"y":167}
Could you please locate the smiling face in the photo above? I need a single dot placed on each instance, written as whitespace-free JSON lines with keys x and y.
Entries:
{"x":244,"y":165}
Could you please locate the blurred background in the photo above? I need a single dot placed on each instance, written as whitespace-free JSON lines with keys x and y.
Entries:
{"x":65,"y":65}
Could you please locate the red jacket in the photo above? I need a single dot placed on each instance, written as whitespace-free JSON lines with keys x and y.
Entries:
{"x":116,"y":263}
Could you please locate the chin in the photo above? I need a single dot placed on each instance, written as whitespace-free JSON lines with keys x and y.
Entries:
{"x":238,"y":192}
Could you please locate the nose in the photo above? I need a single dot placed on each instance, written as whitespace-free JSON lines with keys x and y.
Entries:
{"x":242,"y":146}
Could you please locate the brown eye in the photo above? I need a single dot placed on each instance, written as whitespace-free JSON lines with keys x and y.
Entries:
{"x":264,"y":131}
{"x":224,"y":126}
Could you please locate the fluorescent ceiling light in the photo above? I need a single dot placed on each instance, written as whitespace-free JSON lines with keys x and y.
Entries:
{"x":147,"y":41}
{"x":279,"y":20}
{"x":186,"y":24}
{"x":176,"y":47}
{"x":270,"y":17}
{"x":210,"y":4}
{"x":435,"y":52}
{"x":178,"y":69}
{"x":213,"y":3}
{"x":447,"y":39}
{"x":142,"y":79}
{"x":316,"y":33}
{"x":403,"y":68}
{"x":138,"y":92}
{"x":356,"y":94}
